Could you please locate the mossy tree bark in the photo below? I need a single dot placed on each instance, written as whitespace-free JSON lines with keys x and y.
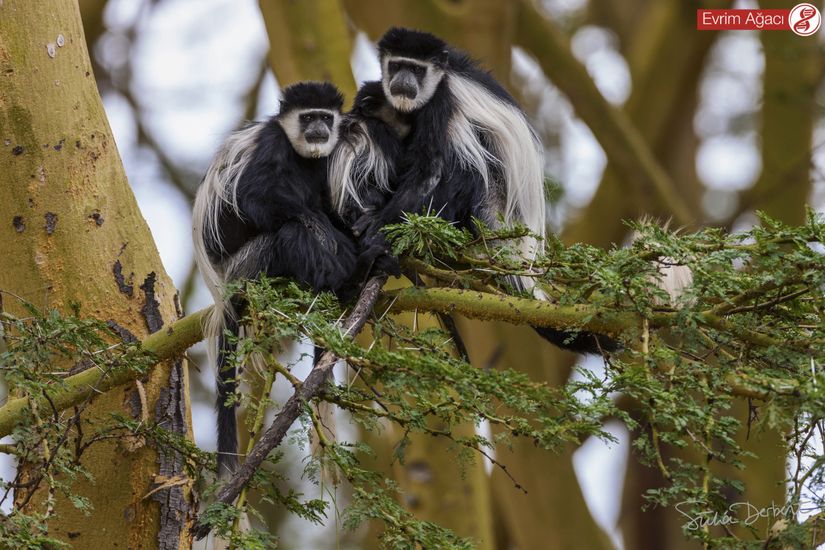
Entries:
{"x":435,"y":487}
{"x":793,"y":70}
{"x":552,"y":514}
{"x":73,"y":228}
{"x":309,"y":40}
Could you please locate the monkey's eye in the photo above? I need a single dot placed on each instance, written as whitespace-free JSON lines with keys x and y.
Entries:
{"x":326,"y":117}
{"x":306,"y":117}
{"x":418,"y":70}
{"x":393,"y":66}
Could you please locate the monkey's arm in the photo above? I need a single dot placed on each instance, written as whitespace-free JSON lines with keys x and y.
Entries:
{"x":411,"y":196}
{"x":421,"y":167}
{"x":373,"y":199}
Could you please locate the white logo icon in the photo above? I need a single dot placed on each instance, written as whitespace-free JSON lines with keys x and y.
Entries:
{"x":805,"y":19}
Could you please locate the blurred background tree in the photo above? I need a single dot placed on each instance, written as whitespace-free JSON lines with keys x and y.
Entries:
{"x":640,"y":114}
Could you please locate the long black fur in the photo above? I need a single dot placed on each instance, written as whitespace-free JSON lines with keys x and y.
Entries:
{"x":429,"y":175}
{"x":311,"y":95}
{"x":286,"y":227}
{"x":227,"y":384}
{"x":368,"y":112}
{"x":285,"y":210}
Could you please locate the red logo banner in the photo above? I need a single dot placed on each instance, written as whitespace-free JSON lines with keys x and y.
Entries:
{"x":803,"y":19}
{"x":742,"y":20}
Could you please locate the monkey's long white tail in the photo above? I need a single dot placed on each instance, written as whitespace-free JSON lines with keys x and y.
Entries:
{"x":216,"y":193}
{"x":218,"y":190}
{"x":512,"y":147}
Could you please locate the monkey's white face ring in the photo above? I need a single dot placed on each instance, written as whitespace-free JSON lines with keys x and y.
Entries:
{"x":427,"y":85}
{"x":291,"y":124}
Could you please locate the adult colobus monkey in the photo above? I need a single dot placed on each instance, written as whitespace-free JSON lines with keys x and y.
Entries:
{"x":470,"y":151}
{"x":263,"y":208}
{"x":467,"y":151}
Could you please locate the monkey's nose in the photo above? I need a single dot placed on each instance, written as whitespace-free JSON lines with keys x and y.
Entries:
{"x":317,"y":135}
{"x":403,"y":89}
{"x":404,"y":84}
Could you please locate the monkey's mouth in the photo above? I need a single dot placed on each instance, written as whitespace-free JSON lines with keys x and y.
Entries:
{"x":403,"y":104}
{"x":317,"y":140}
{"x":403,"y":92}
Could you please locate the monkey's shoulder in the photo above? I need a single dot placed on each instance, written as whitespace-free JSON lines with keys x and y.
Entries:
{"x":465,"y":66}
{"x":273,"y":147}
{"x":276,"y":167}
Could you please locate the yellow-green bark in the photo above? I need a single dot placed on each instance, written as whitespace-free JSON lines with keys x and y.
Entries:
{"x":309,"y":40}
{"x":482,"y":27}
{"x":91,"y":13}
{"x":665,"y":66}
{"x":433,"y":485}
{"x":793,"y":66}
{"x":553,"y":514}
{"x":70,"y":222}
{"x":436,"y":488}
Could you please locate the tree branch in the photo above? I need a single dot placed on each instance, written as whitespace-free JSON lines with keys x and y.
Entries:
{"x":164,"y":344}
{"x":470,"y":303}
{"x":621,"y":140}
{"x":309,"y":40}
{"x":311,"y":387}
{"x":492,"y":307}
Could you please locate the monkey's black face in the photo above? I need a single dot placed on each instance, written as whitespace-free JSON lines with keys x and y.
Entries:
{"x":312,"y":132}
{"x":409,"y":83}
{"x":371,"y":103}
{"x":316,"y":125}
{"x":406,"y":78}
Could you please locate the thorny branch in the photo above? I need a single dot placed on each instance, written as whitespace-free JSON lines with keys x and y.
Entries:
{"x":309,"y":388}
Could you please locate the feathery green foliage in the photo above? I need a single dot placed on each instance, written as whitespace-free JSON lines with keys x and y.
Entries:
{"x":749,"y":327}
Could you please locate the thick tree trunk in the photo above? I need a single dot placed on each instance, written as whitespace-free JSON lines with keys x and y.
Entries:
{"x":433,"y":484}
{"x":482,"y":27}
{"x":72,"y":234}
{"x":553,"y":513}
{"x":309,"y":40}
{"x":793,"y":68}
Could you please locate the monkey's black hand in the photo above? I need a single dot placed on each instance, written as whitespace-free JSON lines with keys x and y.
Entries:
{"x":387,"y":263}
{"x":378,"y":257}
{"x":368,"y":223}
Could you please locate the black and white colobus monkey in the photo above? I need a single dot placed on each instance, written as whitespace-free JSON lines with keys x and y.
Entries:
{"x":470,"y":151}
{"x":466,"y":151}
{"x":264,"y":208}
